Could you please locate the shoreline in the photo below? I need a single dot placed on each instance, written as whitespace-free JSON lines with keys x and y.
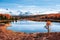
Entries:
{"x":11,"y":35}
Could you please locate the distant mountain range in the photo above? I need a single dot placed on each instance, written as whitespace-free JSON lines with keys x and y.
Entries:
{"x":15,"y":12}
{"x":20,"y":13}
{"x":25,"y":14}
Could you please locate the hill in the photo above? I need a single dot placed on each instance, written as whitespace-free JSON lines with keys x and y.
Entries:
{"x":44,"y":17}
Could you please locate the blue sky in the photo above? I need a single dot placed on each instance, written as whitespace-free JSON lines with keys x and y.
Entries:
{"x":31,"y":5}
{"x":32,"y":2}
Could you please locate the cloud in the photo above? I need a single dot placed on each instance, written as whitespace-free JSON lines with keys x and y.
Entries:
{"x":39,"y":9}
{"x":58,"y":5}
{"x":27,"y":6}
{"x":4,"y":11}
{"x":33,"y":9}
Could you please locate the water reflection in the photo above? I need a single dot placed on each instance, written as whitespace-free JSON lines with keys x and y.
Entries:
{"x":32,"y":26}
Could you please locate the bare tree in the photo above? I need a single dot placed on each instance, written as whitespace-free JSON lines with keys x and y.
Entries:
{"x":48,"y":23}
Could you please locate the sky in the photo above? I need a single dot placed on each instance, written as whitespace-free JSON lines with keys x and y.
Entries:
{"x":34,"y":6}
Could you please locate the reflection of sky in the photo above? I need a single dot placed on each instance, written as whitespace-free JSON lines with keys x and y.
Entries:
{"x":34,"y":6}
{"x":30,"y":26}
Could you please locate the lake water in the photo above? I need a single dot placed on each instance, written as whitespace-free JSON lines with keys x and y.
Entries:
{"x":33,"y":26}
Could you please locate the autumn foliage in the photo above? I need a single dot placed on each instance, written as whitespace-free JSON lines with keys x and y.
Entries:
{"x":52,"y":17}
{"x":4,"y":16}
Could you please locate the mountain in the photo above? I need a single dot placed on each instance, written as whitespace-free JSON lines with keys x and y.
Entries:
{"x":8,"y":11}
{"x":25,"y":14}
{"x":15,"y":12}
{"x":4,"y":11}
{"x":52,"y":17}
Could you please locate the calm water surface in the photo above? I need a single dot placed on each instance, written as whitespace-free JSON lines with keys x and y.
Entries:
{"x":32,"y":26}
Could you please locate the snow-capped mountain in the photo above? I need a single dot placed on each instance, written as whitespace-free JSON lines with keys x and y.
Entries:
{"x":14,"y":12}
{"x":9,"y":11}
{"x":4,"y":11}
{"x":23,"y":13}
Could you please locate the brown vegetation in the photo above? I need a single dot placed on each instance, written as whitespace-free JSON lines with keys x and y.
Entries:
{"x":45,"y":17}
{"x":10,"y":35}
{"x":4,"y":16}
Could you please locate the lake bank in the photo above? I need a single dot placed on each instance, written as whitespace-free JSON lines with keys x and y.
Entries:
{"x":10,"y":35}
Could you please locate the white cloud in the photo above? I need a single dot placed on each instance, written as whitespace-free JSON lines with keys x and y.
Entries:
{"x":57,"y":5}
{"x":33,"y":9}
{"x":39,"y":10}
{"x":4,"y":11}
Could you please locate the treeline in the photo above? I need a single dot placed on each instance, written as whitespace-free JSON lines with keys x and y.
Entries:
{"x":45,"y":16}
{"x":8,"y":17}
{"x":5,"y":16}
{"x":32,"y":17}
{"x":51,"y":16}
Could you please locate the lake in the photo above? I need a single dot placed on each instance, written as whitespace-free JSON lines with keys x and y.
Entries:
{"x":33,"y":26}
